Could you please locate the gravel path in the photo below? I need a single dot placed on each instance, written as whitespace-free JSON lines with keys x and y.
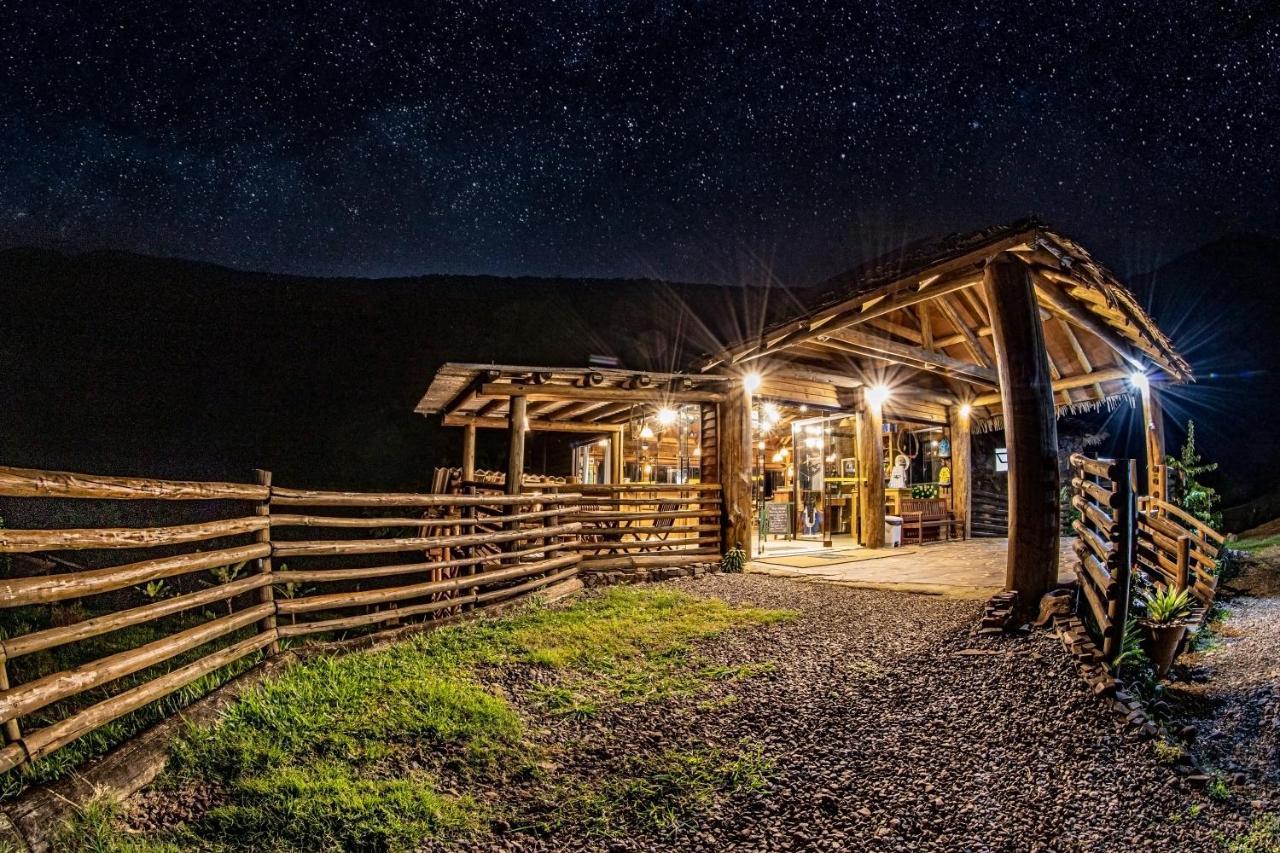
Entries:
{"x":1234,"y":700}
{"x":886,"y":736}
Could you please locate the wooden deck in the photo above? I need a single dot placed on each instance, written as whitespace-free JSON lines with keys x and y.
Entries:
{"x":970,"y":569}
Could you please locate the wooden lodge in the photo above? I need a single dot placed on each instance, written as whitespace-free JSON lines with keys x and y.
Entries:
{"x":834,"y":425}
{"x":862,"y":402}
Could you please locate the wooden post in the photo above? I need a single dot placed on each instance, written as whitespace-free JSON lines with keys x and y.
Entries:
{"x":871,"y":466}
{"x":1122,"y":567}
{"x":1153,"y":432}
{"x":266,"y":592}
{"x":616,"y":457}
{"x":469,"y":453}
{"x":962,"y":468}
{"x":515,"y":448}
{"x":734,"y":460}
{"x":12,"y":733}
{"x":1183,"y":579}
{"x":1030,"y":428}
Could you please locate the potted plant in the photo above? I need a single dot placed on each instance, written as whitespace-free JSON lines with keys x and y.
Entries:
{"x":1165,"y":623}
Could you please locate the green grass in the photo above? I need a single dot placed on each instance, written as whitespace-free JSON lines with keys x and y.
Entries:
{"x":662,"y":793}
{"x":348,"y":752}
{"x":1263,"y":837}
{"x":1257,"y":543}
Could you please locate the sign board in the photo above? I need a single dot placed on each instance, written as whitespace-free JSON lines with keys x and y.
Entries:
{"x":1002,"y":459}
{"x":777,"y":518}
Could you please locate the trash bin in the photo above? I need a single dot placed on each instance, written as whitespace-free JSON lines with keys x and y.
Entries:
{"x":893,"y":531}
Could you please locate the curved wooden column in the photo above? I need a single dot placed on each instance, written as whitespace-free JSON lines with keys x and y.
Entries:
{"x":1030,"y":428}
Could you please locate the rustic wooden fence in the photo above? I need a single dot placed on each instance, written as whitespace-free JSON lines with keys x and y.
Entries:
{"x":1179,"y":549}
{"x":1102,"y":491}
{"x":262,"y":565}
{"x":644,"y":525}
{"x":1119,"y":533}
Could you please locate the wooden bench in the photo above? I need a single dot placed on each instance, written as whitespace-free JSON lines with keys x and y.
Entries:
{"x":928,"y":514}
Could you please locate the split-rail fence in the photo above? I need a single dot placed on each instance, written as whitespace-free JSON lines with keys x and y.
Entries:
{"x":255,"y":565}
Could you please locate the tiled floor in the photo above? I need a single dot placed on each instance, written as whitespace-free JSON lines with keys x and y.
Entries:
{"x":970,"y":569}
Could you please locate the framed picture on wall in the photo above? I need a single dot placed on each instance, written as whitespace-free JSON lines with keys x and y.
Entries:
{"x":848,"y":467}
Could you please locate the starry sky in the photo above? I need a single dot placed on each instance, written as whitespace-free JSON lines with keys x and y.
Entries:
{"x":696,"y":141}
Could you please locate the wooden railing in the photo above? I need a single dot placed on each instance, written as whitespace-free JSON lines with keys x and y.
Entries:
{"x":249,"y":565}
{"x":644,"y":526}
{"x":1178,"y":549}
{"x":1102,"y":491}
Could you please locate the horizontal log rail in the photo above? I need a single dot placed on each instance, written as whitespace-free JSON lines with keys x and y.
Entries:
{"x":384,"y":596}
{"x":303,"y":497}
{"x":30,"y":483}
{"x":329,"y":548}
{"x":471,"y":551}
{"x":47,"y":589}
{"x":30,"y":541}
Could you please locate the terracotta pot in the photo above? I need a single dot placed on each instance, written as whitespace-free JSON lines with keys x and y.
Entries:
{"x":1162,"y":644}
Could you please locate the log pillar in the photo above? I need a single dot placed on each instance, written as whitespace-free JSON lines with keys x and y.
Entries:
{"x":616,"y":458}
{"x":1153,"y":439}
{"x":871,"y":472}
{"x":734,"y":461}
{"x":469,"y":453}
{"x":961,"y":467}
{"x":1030,"y":429}
{"x":518,"y":427}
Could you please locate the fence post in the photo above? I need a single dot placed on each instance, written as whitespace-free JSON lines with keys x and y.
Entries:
{"x":1125,"y":512}
{"x":266,"y":592}
{"x":1183,"y":579}
{"x":12,"y":732}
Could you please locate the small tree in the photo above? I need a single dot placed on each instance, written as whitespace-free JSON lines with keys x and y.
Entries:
{"x":1185,"y":488}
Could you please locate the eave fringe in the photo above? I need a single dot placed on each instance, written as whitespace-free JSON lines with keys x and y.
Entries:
{"x":1110,"y":403}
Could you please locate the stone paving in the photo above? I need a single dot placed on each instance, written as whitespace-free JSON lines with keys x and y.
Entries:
{"x":974,"y":568}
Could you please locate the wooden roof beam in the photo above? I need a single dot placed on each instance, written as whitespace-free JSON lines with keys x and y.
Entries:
{"x":970,"y":340}
{"x":1055,"y":301}
{"x":884,"y":349}
{"x":1080,"y":381}
{"x":534,"y":424}
{"x":573,"y":392}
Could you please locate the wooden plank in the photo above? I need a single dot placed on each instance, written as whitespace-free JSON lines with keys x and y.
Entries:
{"x":34,"y":483}
{"x":47,"y":589}
{"x":28,"y":541}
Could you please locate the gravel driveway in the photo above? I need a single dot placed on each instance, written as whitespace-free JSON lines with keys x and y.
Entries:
{"x":892,"y":727}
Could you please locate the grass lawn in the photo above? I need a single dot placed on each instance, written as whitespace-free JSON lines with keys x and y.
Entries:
{"x":382,"y":749}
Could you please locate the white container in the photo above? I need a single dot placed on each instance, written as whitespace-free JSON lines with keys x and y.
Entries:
{"x":893,"y":531}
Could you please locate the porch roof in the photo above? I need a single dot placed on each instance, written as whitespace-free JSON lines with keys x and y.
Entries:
{"x":561,"y":399}
{"x":920,"y":312}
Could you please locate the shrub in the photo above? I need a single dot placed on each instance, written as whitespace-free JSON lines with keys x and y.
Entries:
{"x":734,"y":561}
{"x":1164,"y":606}
{"x":1185,"y":488}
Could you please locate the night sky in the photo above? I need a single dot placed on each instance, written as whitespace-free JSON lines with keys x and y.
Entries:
{"x":695,"y":141}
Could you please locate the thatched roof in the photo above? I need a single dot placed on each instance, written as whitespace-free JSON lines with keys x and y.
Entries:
{"x":919,"y":308}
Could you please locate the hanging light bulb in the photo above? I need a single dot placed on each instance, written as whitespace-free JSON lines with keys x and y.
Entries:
{"x":751,"y":382}
{"x":666,"y":416}
{"x":646,"y":432}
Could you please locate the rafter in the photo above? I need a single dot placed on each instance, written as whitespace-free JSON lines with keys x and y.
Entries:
{"x":970,"y":339}
{"x":882,"y":348}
